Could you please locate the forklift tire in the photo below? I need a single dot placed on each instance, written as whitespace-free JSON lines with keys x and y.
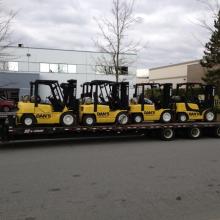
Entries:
{"x":89,"y":120}
{"x":209,"y":116}
{"x":28,"y":120}
{"x":67,"y":119}
{"x":166,"y":117}
{"x":194,"y":133}
{"x":137,"y":118}
{"x":122,"y":118}
{"x":182,"y":117}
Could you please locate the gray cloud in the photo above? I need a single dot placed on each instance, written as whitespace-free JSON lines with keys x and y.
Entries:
{"x":168,"y":27}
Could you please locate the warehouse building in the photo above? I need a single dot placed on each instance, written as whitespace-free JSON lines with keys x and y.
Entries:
{"x":19,"y":65}
{"x":190,"y":71}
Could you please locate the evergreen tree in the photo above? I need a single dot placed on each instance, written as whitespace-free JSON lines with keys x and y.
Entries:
{"x":211,"y":59}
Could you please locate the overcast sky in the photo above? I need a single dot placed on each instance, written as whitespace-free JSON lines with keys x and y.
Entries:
{"x":168,"y":27}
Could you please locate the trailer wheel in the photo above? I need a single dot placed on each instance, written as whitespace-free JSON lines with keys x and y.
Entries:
{"x":182,"y":117}
{"x":67,"y":119}
{"x":89,"y":120}
{"x":167,"y":134}
{"x":122,"y":118}
{"x":166,"y":117}
{"x":194,"y":133}
{"x":209,"y":116}
{"x":217,"y":132}
{"x":137,"y":118}
{"x":28,"y":120}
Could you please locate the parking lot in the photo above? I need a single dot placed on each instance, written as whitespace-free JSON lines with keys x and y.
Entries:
{"x":106,"y":179}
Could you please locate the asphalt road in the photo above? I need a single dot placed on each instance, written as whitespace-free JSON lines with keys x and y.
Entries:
{"x":125,"y":179}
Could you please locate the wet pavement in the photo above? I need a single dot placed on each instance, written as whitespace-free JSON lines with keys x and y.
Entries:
{"x":109,"y":179}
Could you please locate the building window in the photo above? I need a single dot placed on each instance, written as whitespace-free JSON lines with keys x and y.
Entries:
{"x":108,"y":70}
{"x":62,"y":68}
{"x":13,"y":66}
{"x":3,"y":66}
{"x":100,"y":70}
{"x":57,"y":68}
{"x":53,"y":68}
{"x":44,"y":67}
{"x":9,"y":66}
{"x":123,"y":70}
{"x":71,"y":68}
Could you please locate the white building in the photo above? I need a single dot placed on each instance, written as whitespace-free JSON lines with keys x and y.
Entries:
{"x":143,"y":75}
{"x":190,"y":71}
{"x":23,"y":64}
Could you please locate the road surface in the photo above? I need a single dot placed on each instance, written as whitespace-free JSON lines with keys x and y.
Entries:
{"x":110,"y":179}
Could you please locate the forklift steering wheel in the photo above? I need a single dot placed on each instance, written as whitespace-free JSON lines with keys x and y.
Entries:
{"x":38,"y":99}
{"x":102,"y":99}
{"x":49,"y":98}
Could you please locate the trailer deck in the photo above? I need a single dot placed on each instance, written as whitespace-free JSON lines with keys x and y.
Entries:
{"x":9,"y":131}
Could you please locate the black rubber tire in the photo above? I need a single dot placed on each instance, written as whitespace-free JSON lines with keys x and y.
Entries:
{"x":206,"y":116}
{"x":24,"y":119}
{"x":167,"y":134}
{"x":194,"y":133}
{"x":137,"y":115}
{"x":85,"y":120}
{"x":179,"y":119}
{"x":162,"y":119}
{"x":217,"y":132}
{"x":64,"y":116}
{"x":119,"y":116}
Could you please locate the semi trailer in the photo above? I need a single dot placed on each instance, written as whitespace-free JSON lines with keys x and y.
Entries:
{"x":9,"y":131}
{"x":104,"y":109}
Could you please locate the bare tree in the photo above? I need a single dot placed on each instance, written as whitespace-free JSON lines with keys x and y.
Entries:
{"x":213,"y":7}
{"x":211,"y":58}
{"x":114,"y":38}
{"x":5,"y":21}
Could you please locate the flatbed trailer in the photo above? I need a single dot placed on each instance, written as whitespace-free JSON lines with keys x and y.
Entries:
{"x":9,"y":131}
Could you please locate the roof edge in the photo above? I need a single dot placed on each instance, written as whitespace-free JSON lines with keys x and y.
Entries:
{"x":45,"y":48}
{"x":177,"y":64}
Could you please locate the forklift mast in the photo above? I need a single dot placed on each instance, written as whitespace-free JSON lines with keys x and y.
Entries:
{"x":69,"y":95}
{"x":210,"y":92}
{"x":167,"y":90}
{"x":120,"y":95}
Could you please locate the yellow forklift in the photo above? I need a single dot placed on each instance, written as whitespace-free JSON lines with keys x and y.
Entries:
{"x":151,"y":102}
{"x":104,"y":102}
{"x":57,"y":108}
{"x":194,"y":102}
